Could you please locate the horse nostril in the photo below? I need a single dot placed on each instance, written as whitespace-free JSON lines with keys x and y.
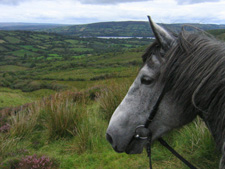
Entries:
{"x":109,"y":138}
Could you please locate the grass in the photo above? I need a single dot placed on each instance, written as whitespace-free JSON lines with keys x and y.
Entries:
{"x":11,"y":97}
{"x":24,"y":122}
{"x":70,"y":128}
{"x":90,"y":73}
{"x":63,"y":118}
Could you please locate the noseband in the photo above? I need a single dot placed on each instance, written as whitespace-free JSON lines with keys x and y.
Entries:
{"x":149,"y":136}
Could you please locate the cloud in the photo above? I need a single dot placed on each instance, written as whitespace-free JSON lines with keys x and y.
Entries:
{"x":87,"y":11}
{"x":98,"y":2}
{"x":93,"y":2}
{"x":11,"y":2}
{"x":185,"y":2}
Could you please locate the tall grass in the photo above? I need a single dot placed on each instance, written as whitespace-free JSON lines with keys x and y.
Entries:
{"x":63,"y":117}
{"x":111,"y":97}
{"x":91,"y":132}
{"x":71,"y":128}
{"x":7,"y":144}
{"x":199,"y":144}
{"x":59,"y":115}
{"x":24,"y":122}
{"x":194,"y":142}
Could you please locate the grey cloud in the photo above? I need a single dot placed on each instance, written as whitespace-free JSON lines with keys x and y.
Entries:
{"x":184,"y":2}
{"x":98,"y":2}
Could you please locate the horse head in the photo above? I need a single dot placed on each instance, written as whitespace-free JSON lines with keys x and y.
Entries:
{"x":143,"y":95}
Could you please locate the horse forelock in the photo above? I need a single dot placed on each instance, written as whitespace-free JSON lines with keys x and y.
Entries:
{"x":194,"y":72}
{"x":153,"y":49}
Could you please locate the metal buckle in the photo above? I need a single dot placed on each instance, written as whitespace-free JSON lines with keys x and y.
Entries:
{"x":137,"y":136}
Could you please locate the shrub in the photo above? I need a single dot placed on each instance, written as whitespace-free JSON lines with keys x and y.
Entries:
{"x":21,"y":84}
{"x":93,"y":92}
{"x":4,"y":128}
{"x":56,"y":86}
{"x":4,"y":125}
{"x":34,"y":85}
{"x":35,"y":162}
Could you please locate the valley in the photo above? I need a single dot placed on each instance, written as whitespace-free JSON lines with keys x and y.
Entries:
{"x":59,"y":90}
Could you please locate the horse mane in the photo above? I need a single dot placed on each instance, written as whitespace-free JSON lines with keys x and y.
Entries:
{"x":194,"y":72}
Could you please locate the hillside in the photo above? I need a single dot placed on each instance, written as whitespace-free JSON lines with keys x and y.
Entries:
{"x":28,"y":26}
{"x":218,"y":33}
{"x":25,"y":47}
{"x":31,"y":61}
{"x":122,"y":29}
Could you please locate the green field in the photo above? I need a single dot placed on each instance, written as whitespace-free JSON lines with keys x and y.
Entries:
{"x":12,"y":68}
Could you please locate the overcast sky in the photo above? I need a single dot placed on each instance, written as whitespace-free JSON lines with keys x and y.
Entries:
{"x":90,"y":11}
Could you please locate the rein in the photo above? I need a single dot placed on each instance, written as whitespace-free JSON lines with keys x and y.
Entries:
{"x":162,"y":142}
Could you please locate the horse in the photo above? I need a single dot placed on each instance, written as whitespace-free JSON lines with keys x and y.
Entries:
{"x":189,"y":69}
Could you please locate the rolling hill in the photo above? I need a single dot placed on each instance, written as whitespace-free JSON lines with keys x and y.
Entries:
{"x":123,"y":29}
{"x":118,"y":29}
{"x":28,"y":26}
{"x":218,"y":33}
{"x":30,"y":60}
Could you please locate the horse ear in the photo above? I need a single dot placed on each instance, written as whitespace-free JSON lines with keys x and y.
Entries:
{"x":164,"y":38}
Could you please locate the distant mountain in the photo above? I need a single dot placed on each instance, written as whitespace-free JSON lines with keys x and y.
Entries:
{"x":28,"y":26}
{"x":123,"y":29}
{"x":127,"y":28}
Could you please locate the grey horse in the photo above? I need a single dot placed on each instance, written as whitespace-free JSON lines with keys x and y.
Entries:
{"x":193,"y":67}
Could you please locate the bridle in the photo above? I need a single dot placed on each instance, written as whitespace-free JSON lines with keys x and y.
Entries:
{"x":149,"y":136}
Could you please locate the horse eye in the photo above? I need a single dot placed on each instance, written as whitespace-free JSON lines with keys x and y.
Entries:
{"x":146,"y":80}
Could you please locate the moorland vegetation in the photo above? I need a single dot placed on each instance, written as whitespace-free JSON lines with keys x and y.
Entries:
{"x":57,"y":94}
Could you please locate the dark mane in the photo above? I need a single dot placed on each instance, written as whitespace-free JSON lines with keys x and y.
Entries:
{"x":194,"y":72}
